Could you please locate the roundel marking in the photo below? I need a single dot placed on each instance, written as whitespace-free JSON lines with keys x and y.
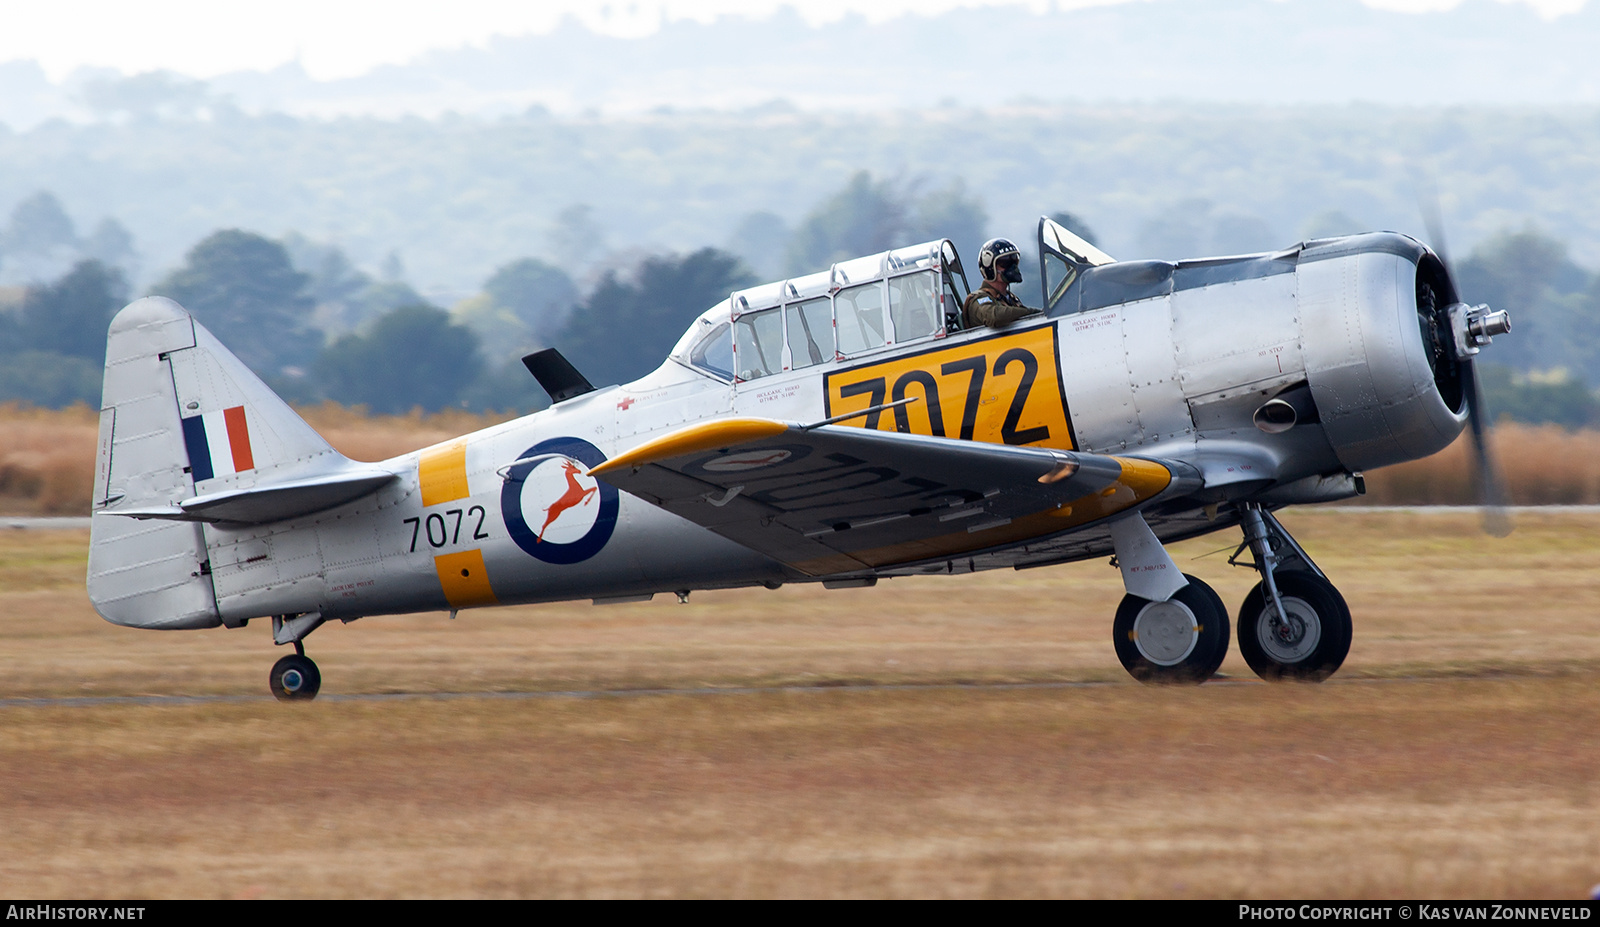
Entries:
{"x":750,"y":459}
{"x":747,"y":460}
{"x":552,"y":508}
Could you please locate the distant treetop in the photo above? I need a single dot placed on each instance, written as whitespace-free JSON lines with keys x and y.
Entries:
{"x":243,"y":287}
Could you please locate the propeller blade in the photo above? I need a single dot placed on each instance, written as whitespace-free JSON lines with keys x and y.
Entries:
{"x":1491,"y":489}
{"x":1433,"y":219}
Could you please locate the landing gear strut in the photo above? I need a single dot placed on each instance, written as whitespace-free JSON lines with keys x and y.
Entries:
{"x":1294,"y":625}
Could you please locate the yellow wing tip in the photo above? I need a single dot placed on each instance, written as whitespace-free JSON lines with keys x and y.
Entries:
{"x":702,"y":437}
{"x":1145,"y":477}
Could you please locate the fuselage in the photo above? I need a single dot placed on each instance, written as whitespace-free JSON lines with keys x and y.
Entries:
{"x":1173,"y":365}
{"x":1134,"y":359}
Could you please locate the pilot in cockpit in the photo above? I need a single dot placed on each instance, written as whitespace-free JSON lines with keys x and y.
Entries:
{"x":994,"y":304}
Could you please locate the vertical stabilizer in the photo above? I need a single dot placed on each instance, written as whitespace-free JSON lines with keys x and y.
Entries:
{"x":180,"y":417}
{"x":236,"y":431}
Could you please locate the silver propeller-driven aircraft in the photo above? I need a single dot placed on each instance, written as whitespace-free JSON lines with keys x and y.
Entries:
{"x":839,"y":428}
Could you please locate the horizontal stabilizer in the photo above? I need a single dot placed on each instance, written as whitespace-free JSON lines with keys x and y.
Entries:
{"x":557,"y":375}
{"x":273,"y":502}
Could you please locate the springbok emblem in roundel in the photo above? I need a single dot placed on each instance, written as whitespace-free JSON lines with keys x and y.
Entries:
{"x":575,"y":496}
{"x":552,"y":508}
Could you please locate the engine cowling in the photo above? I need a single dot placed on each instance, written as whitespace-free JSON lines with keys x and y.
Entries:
{"x":1379,"y":348}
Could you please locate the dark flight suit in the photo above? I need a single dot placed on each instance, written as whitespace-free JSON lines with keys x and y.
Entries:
{"x":992,"y":307}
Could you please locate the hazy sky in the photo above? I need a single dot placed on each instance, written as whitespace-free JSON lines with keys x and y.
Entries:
{"x":343,"y":38}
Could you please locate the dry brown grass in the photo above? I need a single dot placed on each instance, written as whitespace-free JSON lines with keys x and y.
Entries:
{"x":47,"y":458}
{"x":1543,"y":465}
{"x":1456,"y":755}
{"x":1465,"y":788}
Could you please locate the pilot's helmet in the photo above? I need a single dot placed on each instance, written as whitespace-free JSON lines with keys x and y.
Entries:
{"x":1000,"y":255}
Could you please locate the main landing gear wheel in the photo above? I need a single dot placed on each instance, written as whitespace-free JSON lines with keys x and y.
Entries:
{"x":1314,"y":642}
{"x":295,"y":678}
{"x":1177,"y":642}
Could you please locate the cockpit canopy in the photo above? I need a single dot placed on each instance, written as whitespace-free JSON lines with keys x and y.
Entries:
{"x":855,"y":307}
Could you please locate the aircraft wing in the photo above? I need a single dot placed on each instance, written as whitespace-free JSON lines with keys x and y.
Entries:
{"x":829,"y":499}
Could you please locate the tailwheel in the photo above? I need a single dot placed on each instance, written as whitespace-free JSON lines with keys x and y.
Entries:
{"x":295,"y":678}
{"x":1177,"y":642}
{"x":1311,"y":645}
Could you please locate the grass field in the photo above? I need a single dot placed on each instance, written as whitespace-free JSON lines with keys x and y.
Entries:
{"x":1457,"y":754}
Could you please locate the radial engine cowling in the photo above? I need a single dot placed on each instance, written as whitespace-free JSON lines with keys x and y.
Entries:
{"x":1380,"y":348}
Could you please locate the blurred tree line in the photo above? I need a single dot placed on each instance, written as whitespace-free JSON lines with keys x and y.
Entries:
{"x":315,"y":326}
{"x":1547,"y":369}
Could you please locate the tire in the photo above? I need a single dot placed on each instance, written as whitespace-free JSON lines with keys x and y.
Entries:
{"x":295,"y":679}
{"x":1181,"y":641}
{"x":1319,"y":636}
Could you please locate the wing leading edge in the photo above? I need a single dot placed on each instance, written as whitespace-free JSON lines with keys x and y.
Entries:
{"x":833,"y":499}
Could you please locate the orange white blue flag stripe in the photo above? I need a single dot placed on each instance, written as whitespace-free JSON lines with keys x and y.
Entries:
{"x":218,"y":443}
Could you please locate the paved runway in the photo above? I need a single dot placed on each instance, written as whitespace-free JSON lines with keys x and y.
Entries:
{"x":19,"y":523}
{"x":1219,"y":680}
{"x":92,"y":701}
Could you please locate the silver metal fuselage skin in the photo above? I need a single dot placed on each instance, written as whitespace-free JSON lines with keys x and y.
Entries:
{"x":1175,"y":371}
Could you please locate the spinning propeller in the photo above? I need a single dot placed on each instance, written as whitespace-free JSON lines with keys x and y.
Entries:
{"x":1458,"y":331}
